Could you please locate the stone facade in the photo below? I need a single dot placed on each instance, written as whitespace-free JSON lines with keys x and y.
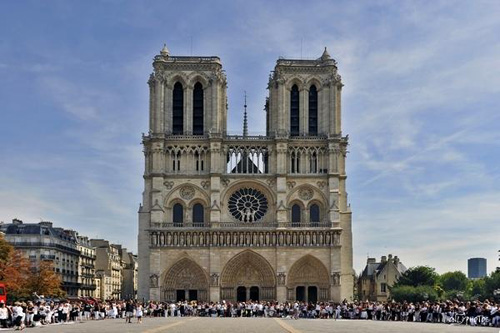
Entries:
{"x":109,"y":268}
{"x":377,"y":278}
{"x":244,"y":217}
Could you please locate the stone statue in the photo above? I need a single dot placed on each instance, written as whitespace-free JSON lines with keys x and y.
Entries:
{"x":153,"y":281}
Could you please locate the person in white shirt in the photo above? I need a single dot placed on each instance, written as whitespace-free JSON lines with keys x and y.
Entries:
{"x":4,"y":315}
{"x":18,"y":316}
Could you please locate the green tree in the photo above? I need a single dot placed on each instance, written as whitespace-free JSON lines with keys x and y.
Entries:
{"x":414,"y":294}
{"x":492,"y":284}
{"x":418,"y":276}
{"x":477,"y":289}
{"x":454,"y":281}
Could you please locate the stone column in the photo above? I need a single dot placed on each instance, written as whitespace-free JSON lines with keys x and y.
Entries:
{"x":188,"y":110}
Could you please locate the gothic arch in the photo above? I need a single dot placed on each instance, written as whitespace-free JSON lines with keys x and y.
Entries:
{"x":298,"y":80}
{"x":198,"y":77}
{"x":318,"y":196}
{"x":173,"y":196}
{"x":308,"y":270}
{"x":178,"y":77}
{"x":313,"y":81}
{"x":185,"y":274}
{"x":247,"y":269}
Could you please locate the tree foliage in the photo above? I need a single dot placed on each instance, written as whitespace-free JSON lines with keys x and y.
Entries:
{"x":492,"y":284}
{"x":6,"y":250}
{"x":14,"y":273}
{"x":418,"y":276}
{"x":21,"y":280}
{"x":45,"y":281}
{"x":456,"y":281}
{"x":414,"y":294}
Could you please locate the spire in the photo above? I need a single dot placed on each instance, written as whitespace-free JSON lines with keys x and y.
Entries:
{"x":325,"y":55}
{"x":245,"y":122}
{"x":164,"y":51}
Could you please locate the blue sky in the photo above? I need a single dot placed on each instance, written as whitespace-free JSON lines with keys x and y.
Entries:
{"x":420,"y":104}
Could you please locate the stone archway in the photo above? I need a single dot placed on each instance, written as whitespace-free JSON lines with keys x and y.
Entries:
{"x":185,"y":280}
{"x":309,"y":278}
{"x":251,"y":271}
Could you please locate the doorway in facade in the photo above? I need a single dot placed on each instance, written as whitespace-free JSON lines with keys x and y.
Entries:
{"x":241,"y":294}
{"x":180,"y":295}
{"x":254,"y":293}
{"x":300,"y":293}
{"x":193,"y":295}
{"x":312,"y":294}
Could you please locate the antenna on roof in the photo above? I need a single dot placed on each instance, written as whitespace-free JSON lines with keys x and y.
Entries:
{"x":245,"y":121}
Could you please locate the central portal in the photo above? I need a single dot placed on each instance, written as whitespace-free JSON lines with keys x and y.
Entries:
{"x":247,"y":276}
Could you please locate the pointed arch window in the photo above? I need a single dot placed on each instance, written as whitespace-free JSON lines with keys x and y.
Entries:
{"x":294,"y":110}
{"x":178,"y":215}
{"x":178,"y":109}
{"x":296,"y":215}
{"x":198,"y":215}
{"x":313,"y":110}
{"x":198,"y":109}
{"x":314,"y":214}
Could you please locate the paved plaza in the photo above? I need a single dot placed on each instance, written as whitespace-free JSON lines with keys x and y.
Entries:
{"x":257,"y":325}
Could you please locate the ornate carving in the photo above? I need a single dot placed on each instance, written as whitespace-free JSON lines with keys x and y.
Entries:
{"x":187,"y":192}
{"x":186,"y":274}
{"x":225,"y":182}
{"x":321,"y":184}
{"x":248,"y":268}
{"x":336,"y":278}
{"x":168,"y":184}
{"x":153,"y":281}
{"x":271,"y":182}
{"x":306,"y":193}
{"x":214,"y":280}
{"x":308,"y":270}
{"x":291,"y":184}
{"x":205,"y":184}
{"x":281,"y":278}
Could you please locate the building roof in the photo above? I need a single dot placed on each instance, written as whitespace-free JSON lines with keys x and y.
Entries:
{"x":40,"y":228}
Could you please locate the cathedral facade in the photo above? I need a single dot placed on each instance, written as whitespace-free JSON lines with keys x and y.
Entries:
{"x":238,"y":217}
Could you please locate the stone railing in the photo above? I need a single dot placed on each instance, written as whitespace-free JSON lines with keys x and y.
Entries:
{"x":245,"y":238}
{"x":240,"y":225}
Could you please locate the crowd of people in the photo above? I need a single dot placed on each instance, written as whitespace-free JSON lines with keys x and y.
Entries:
{"x":44,"y":312}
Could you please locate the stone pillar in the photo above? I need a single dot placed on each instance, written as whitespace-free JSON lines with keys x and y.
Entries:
{"x":188,"y":110}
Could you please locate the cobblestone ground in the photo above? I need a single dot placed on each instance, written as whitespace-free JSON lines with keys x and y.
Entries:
{"x":257,"y":325}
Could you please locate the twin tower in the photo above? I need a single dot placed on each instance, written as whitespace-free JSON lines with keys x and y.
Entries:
{"x":239,"y":217}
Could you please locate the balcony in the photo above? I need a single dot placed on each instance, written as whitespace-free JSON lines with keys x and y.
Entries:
{"x":240,"y":225}
{"x":231,"y":234}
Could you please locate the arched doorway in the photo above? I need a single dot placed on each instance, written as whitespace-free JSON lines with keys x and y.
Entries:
{"x":254,"y":293}
{"x":249,"y":273}
{"x":241,"y":294}
{"x":308,"y":280}
{"x":185,"y":280}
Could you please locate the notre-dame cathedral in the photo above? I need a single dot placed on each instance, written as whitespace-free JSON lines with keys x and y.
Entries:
{"x":239,"y":217}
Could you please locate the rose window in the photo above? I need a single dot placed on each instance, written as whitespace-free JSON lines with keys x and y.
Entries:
{"x":248,"y":205}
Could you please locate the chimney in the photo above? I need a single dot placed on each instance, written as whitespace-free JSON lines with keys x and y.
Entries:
{"x":17,"y":221}
{"x":383,"y":259}
{"x":46,"y":224}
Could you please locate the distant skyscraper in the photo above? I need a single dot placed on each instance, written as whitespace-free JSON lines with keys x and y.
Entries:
{"x":476,"y":268}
